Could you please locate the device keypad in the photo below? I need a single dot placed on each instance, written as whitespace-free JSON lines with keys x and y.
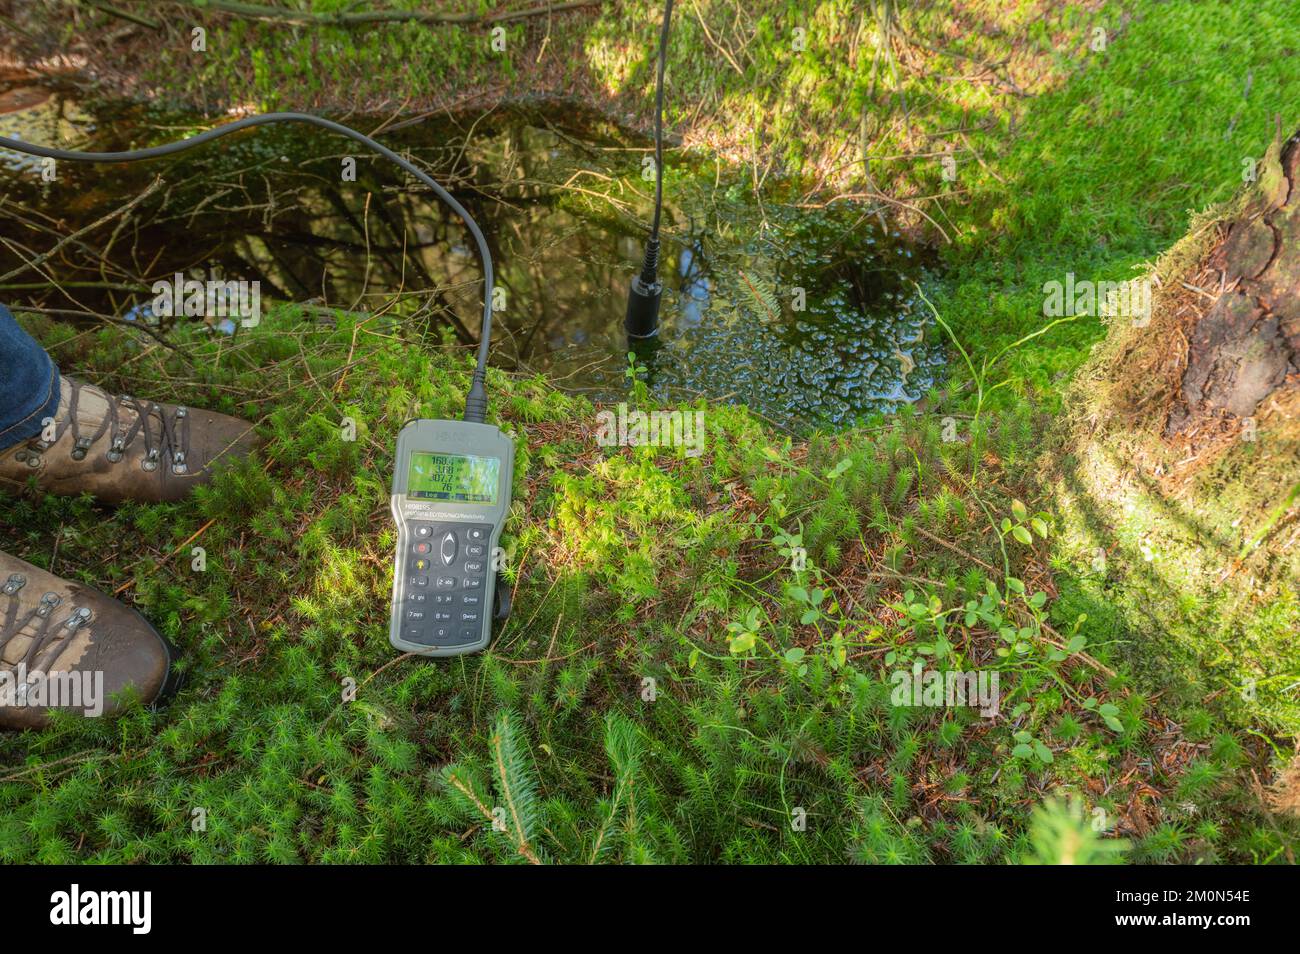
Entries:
{"x":448,"y":559}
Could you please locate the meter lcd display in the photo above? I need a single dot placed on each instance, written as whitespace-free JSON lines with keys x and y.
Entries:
{"x":453,"y":477}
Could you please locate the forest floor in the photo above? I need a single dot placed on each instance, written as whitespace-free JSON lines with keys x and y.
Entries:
{"x":668,"y":686}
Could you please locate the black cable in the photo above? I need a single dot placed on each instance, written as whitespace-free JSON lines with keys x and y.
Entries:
{"x":476,"y":401}
{"x":659,"y":119}
{"x":642,"y":319}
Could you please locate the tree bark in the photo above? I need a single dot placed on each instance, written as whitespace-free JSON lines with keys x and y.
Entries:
{"x":1177,"y":472}
{"x":1247,"y":345}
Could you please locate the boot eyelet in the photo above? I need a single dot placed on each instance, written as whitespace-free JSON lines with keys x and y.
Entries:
{"x":21,"y":455}
{"x":150,"y":461}
{"x":178,"y":462}
{"x":33,"y":460}
{"x":15,"y":583}
{"x":48,"y":602}
{"x":80,"y":617}
{"x":83,"y":445}
{"x":115,"y":450}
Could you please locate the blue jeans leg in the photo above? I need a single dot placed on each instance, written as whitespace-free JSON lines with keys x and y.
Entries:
{"x":29,"y":383}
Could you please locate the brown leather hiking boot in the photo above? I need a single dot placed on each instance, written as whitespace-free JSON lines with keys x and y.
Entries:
{"x":66,"y":646}
{"x":122,"y":448}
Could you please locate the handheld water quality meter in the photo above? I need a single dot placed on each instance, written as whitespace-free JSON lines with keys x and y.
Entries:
{"x":451,"y":482}
{"x":451,"y":479}
{"x":451,"y":491}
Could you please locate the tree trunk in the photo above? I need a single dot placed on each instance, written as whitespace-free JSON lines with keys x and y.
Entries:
{"x":1247,"y":344}
{"x":1179,"y":469}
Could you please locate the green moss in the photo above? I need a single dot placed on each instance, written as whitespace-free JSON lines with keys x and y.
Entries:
{"x":668,"y":688}
{"x":660,"y":642}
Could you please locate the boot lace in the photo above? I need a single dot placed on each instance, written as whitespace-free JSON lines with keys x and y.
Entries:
{"x":48,"y":638}
{"x":164,"y":438}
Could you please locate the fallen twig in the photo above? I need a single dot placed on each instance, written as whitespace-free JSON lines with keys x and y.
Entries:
{"x":254,"y":11}
{"x":120,"y":210}
{"x":194,"y":536}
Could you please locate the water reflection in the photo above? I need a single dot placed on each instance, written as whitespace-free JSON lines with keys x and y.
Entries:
{"x":804,"y":314}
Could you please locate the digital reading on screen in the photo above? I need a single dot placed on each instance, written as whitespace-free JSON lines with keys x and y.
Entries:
{"x":453,"y":477}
